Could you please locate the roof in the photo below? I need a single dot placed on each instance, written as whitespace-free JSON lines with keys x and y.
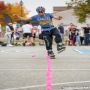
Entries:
{"x":62,"y":8}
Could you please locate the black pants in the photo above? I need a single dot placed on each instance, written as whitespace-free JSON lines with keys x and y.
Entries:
{"x":87,"y":39}
{"x":12,"y":38}
{"x":81,"y":40}
{"x":48,"y":37}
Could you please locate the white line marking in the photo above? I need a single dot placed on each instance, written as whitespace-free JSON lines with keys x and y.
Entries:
{"x":46,"y":69}
{"x":17,"y":51}
{"x":78,"y":51}
{"x":43,"y":85}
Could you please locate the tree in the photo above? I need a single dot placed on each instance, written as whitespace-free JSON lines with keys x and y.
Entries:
{"x":2,"y":9}
{"x":2,"y":6}
{"x":16,"y":9}
{"x":81,"y":9}
{"x":7,"y":11}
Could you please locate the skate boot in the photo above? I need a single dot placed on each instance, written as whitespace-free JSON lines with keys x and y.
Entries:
{"x":51,"y":54}
{"x":60,"y":48}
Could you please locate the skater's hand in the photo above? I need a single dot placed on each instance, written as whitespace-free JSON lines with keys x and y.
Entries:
{"x":58,"y":17}
{"x":16,"y":16}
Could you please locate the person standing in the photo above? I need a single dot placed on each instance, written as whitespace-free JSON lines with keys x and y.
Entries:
{"x":61,"y":30}
{"x":81,"y":33}
{"x":72,"y":33}
{"x":8,"y":34}
{"x":87,"y":34}
{"x":10,"y":25}
{"x":27,"y":34}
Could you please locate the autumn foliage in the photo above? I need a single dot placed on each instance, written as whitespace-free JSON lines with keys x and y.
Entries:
{"x":2,"y":5}
{"x":12,"y":8}
{"x":16,"y":9}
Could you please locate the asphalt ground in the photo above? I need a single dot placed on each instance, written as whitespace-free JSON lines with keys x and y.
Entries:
{"x":25,"y":68}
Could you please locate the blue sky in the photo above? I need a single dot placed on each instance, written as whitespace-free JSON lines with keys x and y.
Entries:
{"x":32,"y":4}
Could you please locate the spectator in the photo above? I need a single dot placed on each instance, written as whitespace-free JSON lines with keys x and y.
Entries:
{"x":8,"y":34}
{"x":10,"y":25}
{"x":27,"y":34}
{"x":61,"y":30}
{"x":72,"y":34}
{"x":34,"y":31}
{"x":81,"y":33}
{"x":41,"y":40}
{"x":87,"y":34}
{"x":77,"y":36}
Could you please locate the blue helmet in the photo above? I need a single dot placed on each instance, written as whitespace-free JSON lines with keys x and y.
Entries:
{"x":40,"y":9}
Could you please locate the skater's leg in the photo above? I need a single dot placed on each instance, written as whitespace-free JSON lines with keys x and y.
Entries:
{"x":48,"y":42}
{"x":58,"y":39}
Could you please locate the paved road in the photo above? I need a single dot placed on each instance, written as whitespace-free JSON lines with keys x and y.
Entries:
{"x":25,"y":68}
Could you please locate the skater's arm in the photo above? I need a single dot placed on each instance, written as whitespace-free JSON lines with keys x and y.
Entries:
{"x":55,"y":17}
{"x":21,"y":18}
{"x":58,"y":17}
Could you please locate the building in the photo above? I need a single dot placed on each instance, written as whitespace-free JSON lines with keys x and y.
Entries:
{"x":59,"y":9}
{"x":68,"y":16}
